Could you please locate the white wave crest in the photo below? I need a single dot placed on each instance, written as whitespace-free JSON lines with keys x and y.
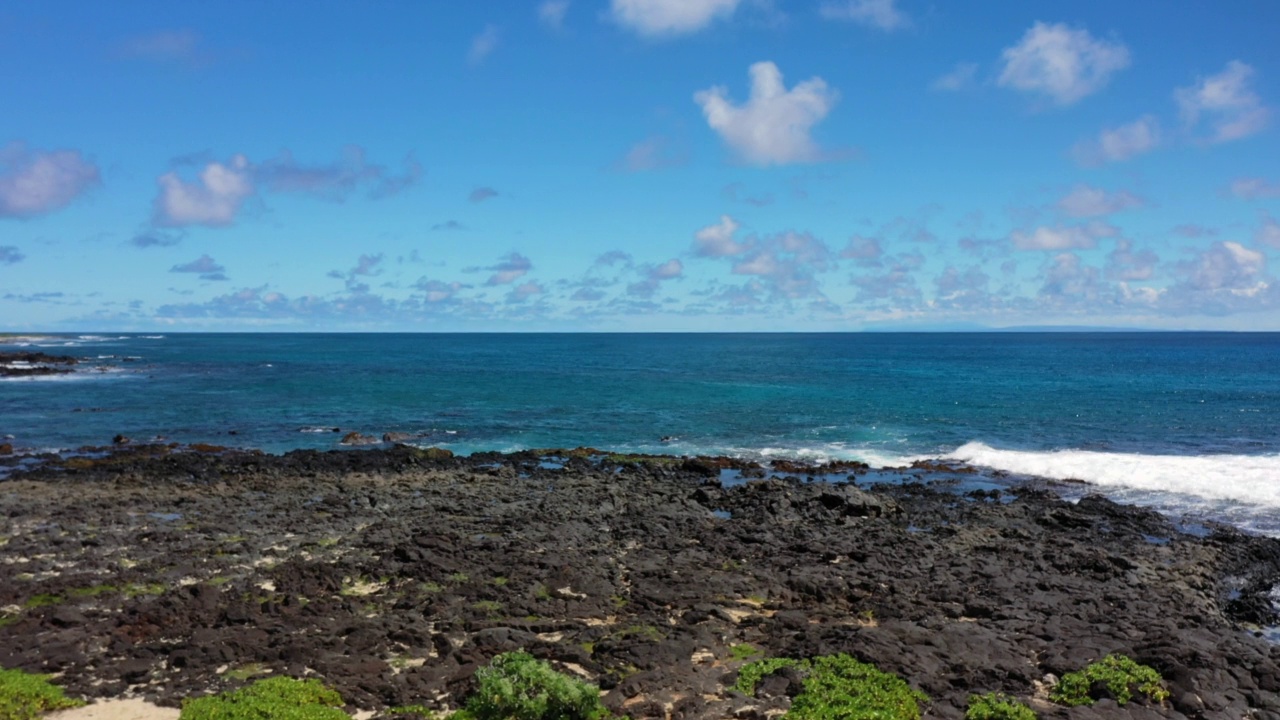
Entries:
{"x":1249,"y":479}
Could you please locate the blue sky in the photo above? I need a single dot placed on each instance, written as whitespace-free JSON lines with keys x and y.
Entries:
{"x":622,"y":165}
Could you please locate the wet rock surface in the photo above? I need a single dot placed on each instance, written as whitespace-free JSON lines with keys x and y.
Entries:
{"x":28,"y":364}
{"x":394,"y":574}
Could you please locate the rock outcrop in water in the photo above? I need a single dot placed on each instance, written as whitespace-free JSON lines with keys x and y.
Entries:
{"x":394,"y":574}
{"x":29,"y":364}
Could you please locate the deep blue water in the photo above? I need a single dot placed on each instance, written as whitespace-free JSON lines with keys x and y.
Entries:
{"x":1189,"y":417}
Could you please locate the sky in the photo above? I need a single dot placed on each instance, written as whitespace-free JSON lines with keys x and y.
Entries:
{"x":639,"y":165}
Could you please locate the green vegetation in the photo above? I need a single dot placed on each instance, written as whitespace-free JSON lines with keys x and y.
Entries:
{"x":133,"y":590}
{"x":516,"y":686}
{"x":25,"y":696}
{"x":278,"y":698}
{"x":839,"y":687}
{"x":487,"y":606}
{"x":94,"y":591}
{"x":752,"y":673}
{"x":743,"y":651}
{"x":244,"y":672}
{"x":500,"y":581}
{"x":458,"y":577}
{"x":1122,"y":676}
{"x":39,"y":601}
{"x":997,"y":706}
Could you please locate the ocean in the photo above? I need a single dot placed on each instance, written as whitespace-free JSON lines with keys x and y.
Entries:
{"x":1188,"y":423}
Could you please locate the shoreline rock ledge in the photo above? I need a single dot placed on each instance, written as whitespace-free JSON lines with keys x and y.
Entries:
{"x":393,"y":574}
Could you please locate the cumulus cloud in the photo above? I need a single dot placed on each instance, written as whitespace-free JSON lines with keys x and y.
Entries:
{"x":961,"y":77}
{"x":1062,"y":63}
{"x":654,"y":276}
{"x":658,"y":18}
{"x":1056,"y":238}
{"x":1119,"y":143}
{"x":1254,"y":189}
{"x":336,"y":181}
{"x":1232,"y":108}
{"x":652,"y":153}
{"x":773,"y":127}
{"x":1268,"y":233}
{"x":963,"y":289}
{"x":1068,"y":280}
{"x":481,"y":194}
{"x":717,"y":240}
{"x":1085,"y":201}
{"x":483,"y":45}
{"x":511,"y":268}
{"x":787,"y":263}
{"x":1224,"y":266}
{"x":866,"y":251}
{"x":896,"y":286}
{"x":1126,"y":264}
{"x":552,"y":13}
{"x":156,"y":238}
{"x":10,"y":255}
{"x":524,"y":291}
{"x":880,"y":14}
{"x":213,"y":199}
{"x":35,"y":183}
{"x":438,"y":291}
{"x":367,"y":265}
{"x":203,"y":265}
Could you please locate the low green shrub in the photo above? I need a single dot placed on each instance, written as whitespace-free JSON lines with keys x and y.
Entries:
{"x":997,"y":706}
{"x":839,"y":687}
{"x":1122,"y":676}
{"x":277,"y":698}
{"x":516,"y":686}
{"x":26,"y":696}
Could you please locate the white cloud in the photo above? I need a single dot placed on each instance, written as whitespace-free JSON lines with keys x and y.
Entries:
{"x":1126,"y":264}
{"x":655,"y":18}
{"x":652,"y":153}
{"x":1268,"y":233}
{"x":212,"y":200}
{"x":1060,"y":62}
{"x":35,"y":183}
{"x":773,"y":126}
{"x":481,"y":194}
{"x":1068,"y":280}
{"x":717,"y":240}
{"x":1235,"y":111}
{"x":1254,"y":189}
{"x":483,"y":45}
{"x":787,"y":262}
{"x":1071,"y":237}
{"x":1225,"y":266}
{"x":524,"y":291}
{"x":10,"y":255}
{"x":654,"y":276}
{"x":865,"y":250}
{"x":1120,"y":143}
{"x":513,"y":267}
{"x":879,"y":14}
{"x":552,"y":13}
{"x":960,"y":78}
{"x":337,"y":181}
{"x":1087,"y":202}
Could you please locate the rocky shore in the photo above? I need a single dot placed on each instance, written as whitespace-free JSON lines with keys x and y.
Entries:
{"x":394,"y":573}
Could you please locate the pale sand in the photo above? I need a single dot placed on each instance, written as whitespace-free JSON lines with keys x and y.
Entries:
{"x":132,"y":709}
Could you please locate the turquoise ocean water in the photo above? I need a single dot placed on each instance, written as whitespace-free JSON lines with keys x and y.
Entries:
{"x":1189,"y":422}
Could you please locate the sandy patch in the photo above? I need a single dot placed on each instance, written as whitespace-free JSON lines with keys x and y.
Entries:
{"x":132,"y":709}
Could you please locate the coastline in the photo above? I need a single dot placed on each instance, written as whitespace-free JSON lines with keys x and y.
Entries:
{"x":394,"y":574}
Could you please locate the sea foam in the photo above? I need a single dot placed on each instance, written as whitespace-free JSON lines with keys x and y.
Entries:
{"x":1248,"y":479}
